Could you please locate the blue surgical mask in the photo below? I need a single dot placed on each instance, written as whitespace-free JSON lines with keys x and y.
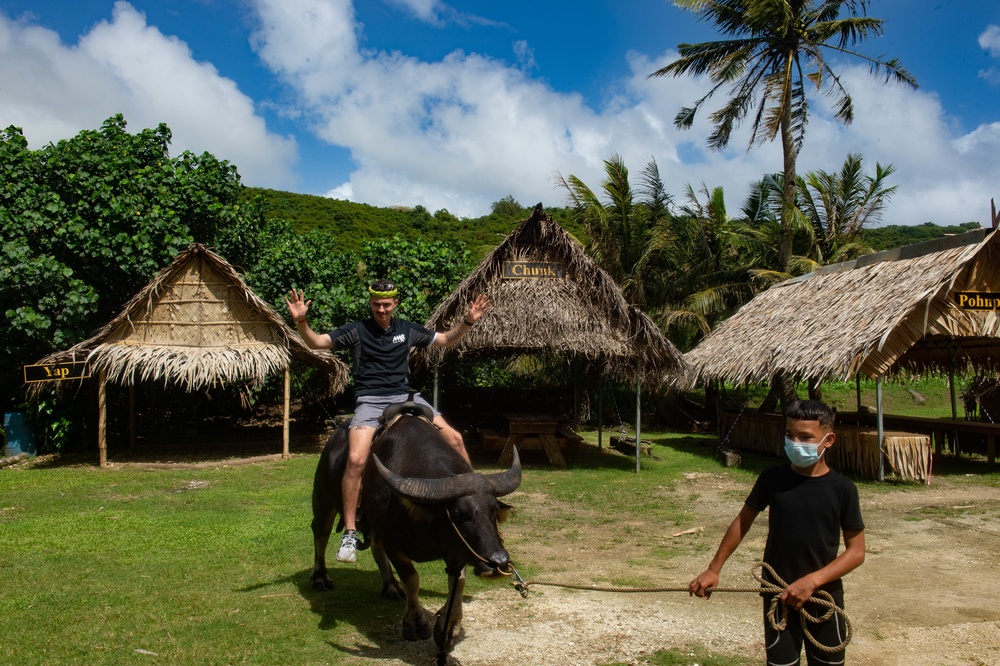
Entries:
{"x":803,"y":454}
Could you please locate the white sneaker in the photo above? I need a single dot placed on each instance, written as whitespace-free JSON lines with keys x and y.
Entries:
{"x":348,"y":546}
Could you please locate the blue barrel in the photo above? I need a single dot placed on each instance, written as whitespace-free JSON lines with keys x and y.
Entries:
{"x":18,"y":434}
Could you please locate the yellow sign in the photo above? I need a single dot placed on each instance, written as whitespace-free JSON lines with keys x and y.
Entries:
{"x":977,"y":300}
{"x":55,"y":372}
{"x":519,"y":270}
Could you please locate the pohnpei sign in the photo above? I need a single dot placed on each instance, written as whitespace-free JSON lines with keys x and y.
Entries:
{"x":977,"y":300}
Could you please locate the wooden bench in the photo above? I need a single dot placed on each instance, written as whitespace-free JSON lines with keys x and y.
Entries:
{"x":492,"y":439}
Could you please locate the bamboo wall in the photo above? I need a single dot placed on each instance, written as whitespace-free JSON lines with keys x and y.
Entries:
{"x":908,"y":456}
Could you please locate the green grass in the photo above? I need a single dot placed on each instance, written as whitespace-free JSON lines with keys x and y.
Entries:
{"x":211,"y":566}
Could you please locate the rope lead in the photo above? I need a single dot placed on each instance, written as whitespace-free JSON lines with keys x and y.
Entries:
{"x":777,"y":614}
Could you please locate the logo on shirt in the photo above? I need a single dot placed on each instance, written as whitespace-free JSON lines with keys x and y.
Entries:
{"x":399,"y":338}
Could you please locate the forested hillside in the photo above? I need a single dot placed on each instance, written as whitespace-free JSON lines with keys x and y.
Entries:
{"x":897,"y":235}
{"x":353,"y":223}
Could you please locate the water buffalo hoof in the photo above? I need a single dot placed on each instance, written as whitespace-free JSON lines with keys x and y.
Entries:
{"x":393,"y":591}
{"x":323,"y":585}
{"x":321,"y":581}
{"x":417,"y":629}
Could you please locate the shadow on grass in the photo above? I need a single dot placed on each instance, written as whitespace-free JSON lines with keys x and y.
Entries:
{"x":191,"y":447}
{"x":707,"y":448}
{"x":578,"y":456}
{"x":357,"y":602}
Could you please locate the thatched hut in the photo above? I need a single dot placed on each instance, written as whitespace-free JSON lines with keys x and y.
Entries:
{"x":550,"y":297}
{"x":878,"y":315}
{"x":565,"y":304}
{"x":195,"y":326}
{"x":928,"y":307}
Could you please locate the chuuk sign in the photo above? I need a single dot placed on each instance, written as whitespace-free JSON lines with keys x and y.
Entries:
{"x":519,"y":270}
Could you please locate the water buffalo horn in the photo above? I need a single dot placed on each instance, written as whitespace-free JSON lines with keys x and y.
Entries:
{"x":451,"y":487}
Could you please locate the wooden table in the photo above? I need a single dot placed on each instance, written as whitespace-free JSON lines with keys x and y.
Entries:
{"x":532,"y":431}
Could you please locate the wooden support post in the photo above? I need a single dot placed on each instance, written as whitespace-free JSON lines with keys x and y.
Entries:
{"x":437,"y":385}
{"x":284,"y":415}
{"x":638,"y":415}
{"x":131,"y":415}
{"x":600,"y":413}
{"x":881,"y":429}
{"x":102,"y":419}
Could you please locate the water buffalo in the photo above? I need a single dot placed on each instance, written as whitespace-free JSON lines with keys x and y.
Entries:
{"x":420,"y":501}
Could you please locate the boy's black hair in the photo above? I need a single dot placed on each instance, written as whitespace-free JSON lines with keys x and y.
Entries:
{"x":812,"y":410}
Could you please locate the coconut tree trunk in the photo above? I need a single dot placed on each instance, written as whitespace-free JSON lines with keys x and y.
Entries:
{"x":788,"y":186}
{"x":816,"y":389}
{"x":783,"y":389}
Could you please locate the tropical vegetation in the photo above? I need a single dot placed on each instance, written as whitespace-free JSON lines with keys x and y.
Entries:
{"x":88,"y":221}
{"x":773,"y":54}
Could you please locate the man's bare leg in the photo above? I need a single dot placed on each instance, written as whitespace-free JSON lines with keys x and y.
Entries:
{"x":452,"y":436}
{"x":359,"y":442}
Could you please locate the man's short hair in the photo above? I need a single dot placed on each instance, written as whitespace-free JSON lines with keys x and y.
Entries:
{"x":811,"y":410}
{"x":383,"y":289}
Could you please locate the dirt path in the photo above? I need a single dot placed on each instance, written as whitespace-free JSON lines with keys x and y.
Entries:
{"x":928,"y":594}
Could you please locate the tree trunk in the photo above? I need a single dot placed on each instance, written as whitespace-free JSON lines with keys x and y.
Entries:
{"x":712,"y":401}
{"x":783,"y":389}
{"x":788,"y":186}
{"x":816,"y":389}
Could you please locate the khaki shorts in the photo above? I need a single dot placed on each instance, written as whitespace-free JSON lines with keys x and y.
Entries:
{"x":369,"y":408}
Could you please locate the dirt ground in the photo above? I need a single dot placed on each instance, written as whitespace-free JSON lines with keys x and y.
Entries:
{"x":927,"y":594}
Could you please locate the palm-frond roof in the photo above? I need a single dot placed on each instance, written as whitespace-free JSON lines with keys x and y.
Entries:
{"x":880,"y":314}
{"x":197,"y":325}
{"x":583,"y":315}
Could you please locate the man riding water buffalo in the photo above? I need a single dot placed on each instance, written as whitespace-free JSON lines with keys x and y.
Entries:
{"x":380,"y":347}
{"x":423,"y":500}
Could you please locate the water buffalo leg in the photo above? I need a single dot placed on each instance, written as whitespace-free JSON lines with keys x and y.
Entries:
{"x":448,"y":625}
{"x":322,"y":526}
{"x":416,"y":625}
{"x":391,"y":589}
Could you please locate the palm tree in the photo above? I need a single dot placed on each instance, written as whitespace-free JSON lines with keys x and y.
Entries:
{"x":773,"y":48}
{"x":621,"y":227}
{"x":839,"y":205}
{"x":719,"y":263}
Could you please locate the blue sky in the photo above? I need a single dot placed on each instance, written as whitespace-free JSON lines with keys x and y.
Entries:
{"x":457,"y":104}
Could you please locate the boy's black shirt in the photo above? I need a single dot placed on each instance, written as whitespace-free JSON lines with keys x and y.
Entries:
{"x":806,"y":518}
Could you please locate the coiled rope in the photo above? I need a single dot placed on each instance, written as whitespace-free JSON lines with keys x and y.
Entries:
{"x":777,"y":614}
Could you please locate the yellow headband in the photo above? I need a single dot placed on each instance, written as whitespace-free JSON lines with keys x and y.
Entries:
{"x":383,"y":294}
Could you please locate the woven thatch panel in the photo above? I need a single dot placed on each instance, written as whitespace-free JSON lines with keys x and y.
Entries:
{"x":196,"y":325}
{"x":584,"y":314}
{"x":881,"y":314}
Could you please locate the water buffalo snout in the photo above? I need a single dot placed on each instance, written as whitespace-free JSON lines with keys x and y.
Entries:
{"x":499,"y":560}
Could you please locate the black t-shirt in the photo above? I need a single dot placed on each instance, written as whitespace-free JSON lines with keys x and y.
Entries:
{"x":381,"y":357}
{"x":806,"y":518}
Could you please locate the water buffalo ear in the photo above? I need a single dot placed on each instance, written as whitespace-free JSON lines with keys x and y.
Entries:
{"x":506,"y":511}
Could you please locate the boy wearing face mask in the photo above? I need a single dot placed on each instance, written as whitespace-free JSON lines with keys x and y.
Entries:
{"x":810,"y":507}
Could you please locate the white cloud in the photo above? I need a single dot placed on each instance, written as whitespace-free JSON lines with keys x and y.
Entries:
{"x":467,"y":130}
{"x":425,"y":10}
{"x":990,"y":40}
{"x":52,"y":91}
